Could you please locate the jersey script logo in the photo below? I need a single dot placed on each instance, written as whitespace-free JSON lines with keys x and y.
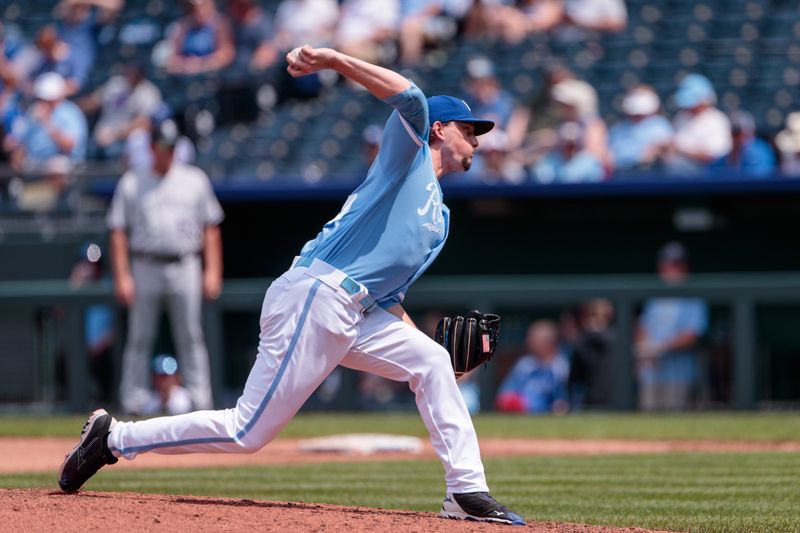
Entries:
{"x":434,"y":207}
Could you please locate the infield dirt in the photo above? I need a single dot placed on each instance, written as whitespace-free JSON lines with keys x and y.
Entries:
{"x":29,"y":510}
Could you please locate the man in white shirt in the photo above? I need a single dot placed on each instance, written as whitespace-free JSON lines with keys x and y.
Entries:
{"x":702,"y":132}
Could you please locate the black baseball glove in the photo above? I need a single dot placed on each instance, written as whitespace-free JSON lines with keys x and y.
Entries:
{"x":469,"y":339}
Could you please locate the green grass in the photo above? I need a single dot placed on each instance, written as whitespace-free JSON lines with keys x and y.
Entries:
{"x":703,"y":426}
{"x":682,"y":492}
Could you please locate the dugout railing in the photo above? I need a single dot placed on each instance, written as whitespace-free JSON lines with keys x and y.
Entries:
{"x":27,"y":355}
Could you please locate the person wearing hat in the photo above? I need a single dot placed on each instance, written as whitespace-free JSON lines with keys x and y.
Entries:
{"x":750,"y":156}
{"x":576,"y":102}
{"x":165,"y":248}
{"x":702,"y":132}
{"x":341,"y":303}
{"x":667,"y":340}
{"x":569,"y":161}
{"x":640,"y":138}
{"x":53,"y":126}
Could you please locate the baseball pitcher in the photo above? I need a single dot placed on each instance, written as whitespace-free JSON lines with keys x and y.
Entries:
{"x":340,"y":303}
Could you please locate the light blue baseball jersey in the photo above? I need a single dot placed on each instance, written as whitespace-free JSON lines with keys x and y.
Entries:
{"x":395,"y":223}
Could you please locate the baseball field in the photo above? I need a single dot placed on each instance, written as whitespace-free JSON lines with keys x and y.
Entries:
{"x":690,"y":472}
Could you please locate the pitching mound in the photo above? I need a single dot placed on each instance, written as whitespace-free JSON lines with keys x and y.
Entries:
{"x":47,"y":510}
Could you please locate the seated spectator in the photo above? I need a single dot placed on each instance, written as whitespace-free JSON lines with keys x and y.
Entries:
{"x":365,"y":27}
{"x":788,"y":143}
{"x":538,"y":381}
{"x":569,"y":162}
{"x":750,"y":156}
{"x":543,"y":119}
{"x":79,"y":24}
{"x":596,"y":15}
{"x":639,"y":140}
{"x":53,"y":126}
{"x":702,"y":132}
{"x":52,"y":54}
{"x":10,"y":96}
{"x":202,"y":41}
{"x":125,"y":102}
{"x":300,"y":22}
{"x":493,"y":163}
{"x":513,"y":21}
{"x":487,"y":98}
{"x":576,"y":101}
{"x":253,"y":35}
{"x":670,"y":328}
{"x":427,"y":22}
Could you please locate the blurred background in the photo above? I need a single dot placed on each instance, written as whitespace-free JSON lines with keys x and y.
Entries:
{"x":633,"y":217}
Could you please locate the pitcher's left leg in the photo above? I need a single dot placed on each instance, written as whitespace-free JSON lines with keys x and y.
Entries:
{"x":390,"y":348}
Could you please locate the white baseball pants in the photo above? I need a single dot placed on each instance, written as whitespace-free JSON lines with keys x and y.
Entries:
{"x":310,"y":324}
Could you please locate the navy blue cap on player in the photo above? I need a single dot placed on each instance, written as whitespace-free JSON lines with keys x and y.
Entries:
{"x":448,"y":108}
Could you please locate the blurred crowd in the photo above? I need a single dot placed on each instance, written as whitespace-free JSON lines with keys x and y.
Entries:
{"x":53,"y":120}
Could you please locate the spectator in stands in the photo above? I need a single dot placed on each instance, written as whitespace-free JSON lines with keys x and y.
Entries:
{"x":543,"y":119}
{"x":668,"y":338}
{"x":596,"y":15}
{"x":486,"y":97}
{"x":702,"y":132}
{"x":365,"y":27}
{"x":639,"y":140}
{"x":576,"y":102}
{"x":52,"y":54}
{"x":300,"y":22}
{"x":570,"y":161}
{"x":538,"y":381}
{"x":79,"y":24}
{"x":513,"y":21}
{"x":749,"y":156}
{"x":493,"y":163}
{"x":788,"y":143}
{"x":591,"y":373}
{"x":253,"y":35}
{"x":125,"y":102}
{"x":10,"y":96}
{"x":53,"y":126}
{"x":424,"y":22}
{"x":202,"y":41}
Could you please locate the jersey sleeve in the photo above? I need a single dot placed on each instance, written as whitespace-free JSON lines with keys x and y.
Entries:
{"x":118,"y":216}
{"x":405,"y":133}
{"x":211,"y":211}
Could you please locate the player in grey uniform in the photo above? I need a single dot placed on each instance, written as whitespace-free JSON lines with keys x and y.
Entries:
{"x":162,"y":220}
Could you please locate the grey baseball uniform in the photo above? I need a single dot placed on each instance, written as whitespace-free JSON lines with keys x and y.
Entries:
{"x":165,"y":218}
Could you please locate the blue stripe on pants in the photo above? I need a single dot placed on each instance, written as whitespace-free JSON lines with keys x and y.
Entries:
{"x":264,"y":402}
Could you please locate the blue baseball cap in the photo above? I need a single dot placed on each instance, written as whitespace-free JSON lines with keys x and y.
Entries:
{"x":444,"y":108}
{"x":694,"y":90}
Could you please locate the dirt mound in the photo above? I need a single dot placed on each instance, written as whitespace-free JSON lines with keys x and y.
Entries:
{"x":25,"y":510}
